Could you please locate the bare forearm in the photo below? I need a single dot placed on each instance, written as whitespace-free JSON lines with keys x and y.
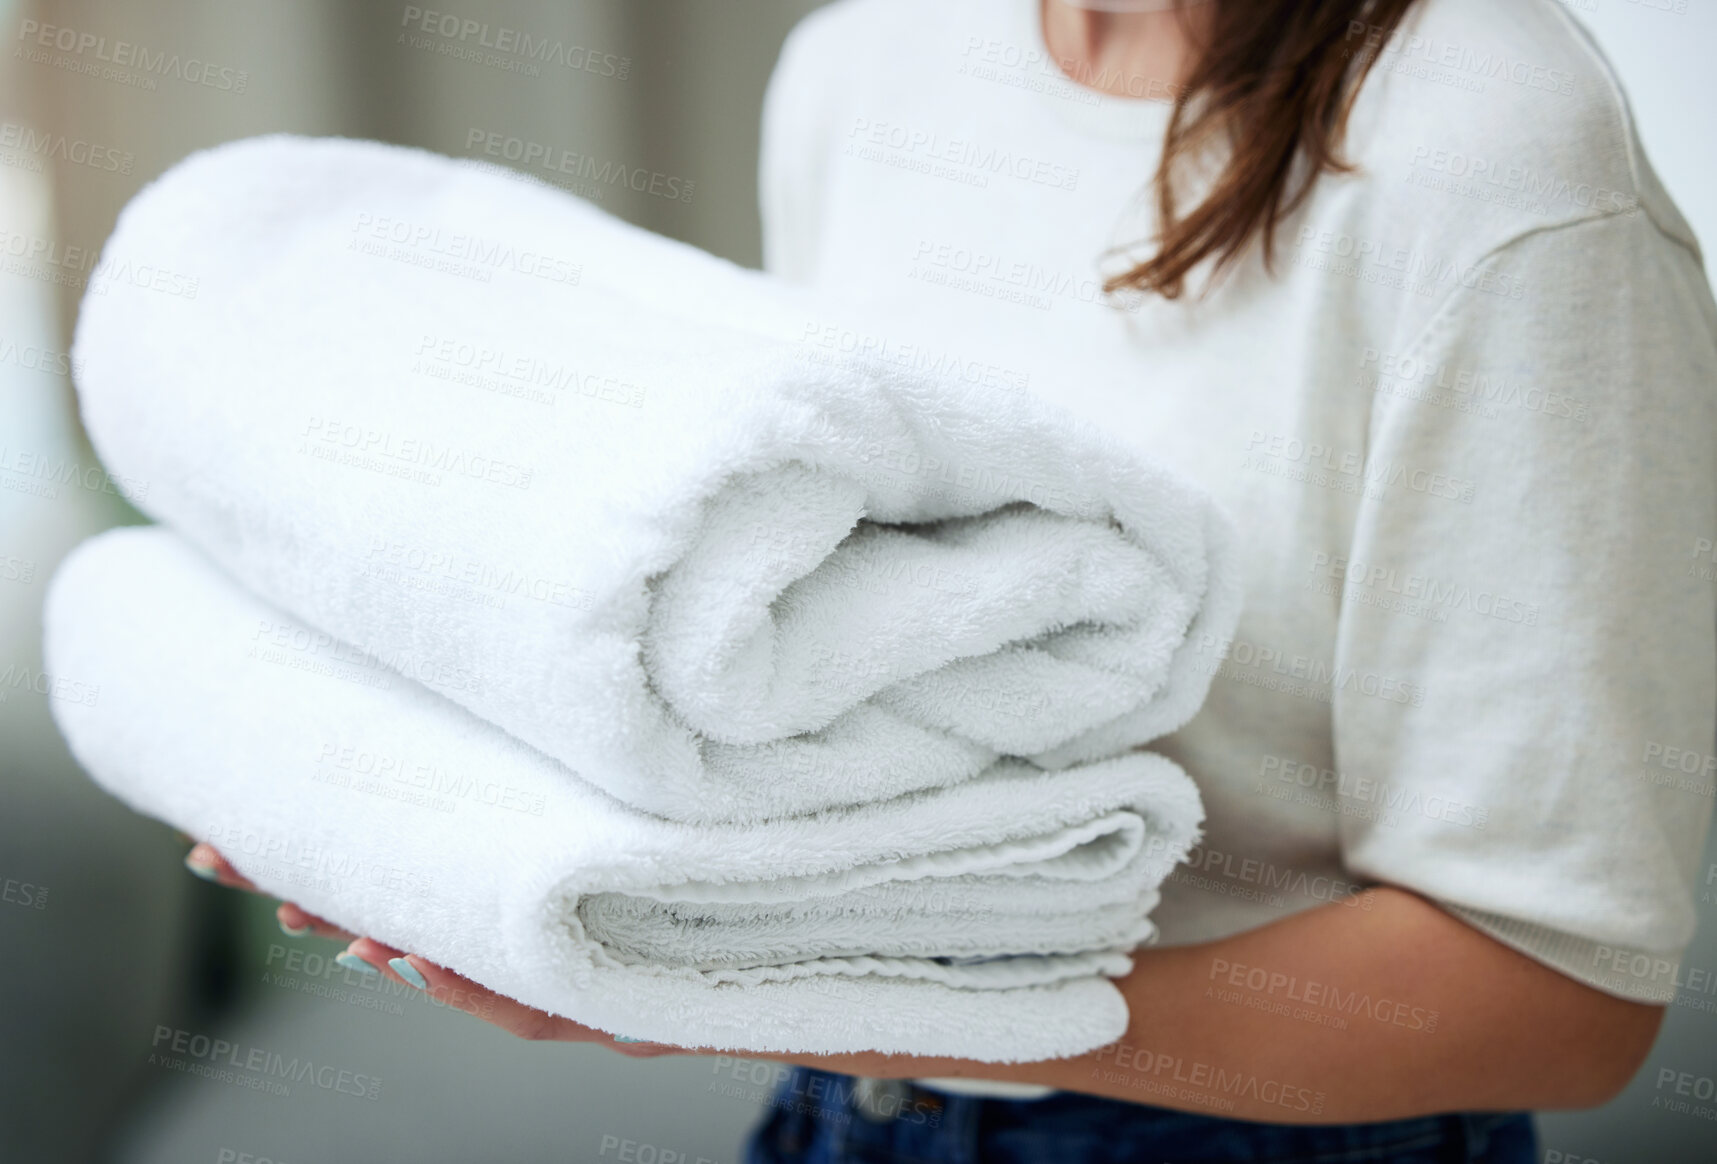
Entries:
{"x":1379,"y":1008}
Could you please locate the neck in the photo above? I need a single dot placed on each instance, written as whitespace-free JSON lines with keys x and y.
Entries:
{"x":1126,"y":48}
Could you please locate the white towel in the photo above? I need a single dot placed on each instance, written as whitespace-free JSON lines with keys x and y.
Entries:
{"x":978,"y":921}
{"x":720,"y":579}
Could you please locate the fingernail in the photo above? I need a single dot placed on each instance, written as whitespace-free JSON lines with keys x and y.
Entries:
{"x":352,"y":962}
{"x":408,"y":972}
{"x":205,"y":871}
{"x":293,"y":931}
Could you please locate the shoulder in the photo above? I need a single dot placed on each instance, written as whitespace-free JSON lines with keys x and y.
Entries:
{"x":1482,"y":121}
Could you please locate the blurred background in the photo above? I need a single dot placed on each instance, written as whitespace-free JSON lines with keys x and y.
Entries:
{"x":104,"y":938}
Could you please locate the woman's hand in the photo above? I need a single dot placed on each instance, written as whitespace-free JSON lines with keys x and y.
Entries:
{"x":1509,"y":1032}
{"x":367,"y":956}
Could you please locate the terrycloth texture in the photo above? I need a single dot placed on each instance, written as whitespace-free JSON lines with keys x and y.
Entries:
{"x":591,"y":484}
{"x":377,"y":804}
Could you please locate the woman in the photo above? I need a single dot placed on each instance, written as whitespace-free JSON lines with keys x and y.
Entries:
{"x":1395,"y":281}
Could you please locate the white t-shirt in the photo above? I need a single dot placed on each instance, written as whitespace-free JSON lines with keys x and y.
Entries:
{"x":1467,"y":426}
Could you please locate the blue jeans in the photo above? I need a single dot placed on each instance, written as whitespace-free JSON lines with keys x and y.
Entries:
{"x":819,"y":1118}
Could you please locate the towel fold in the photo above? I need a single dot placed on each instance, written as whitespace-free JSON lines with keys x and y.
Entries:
{"x":978,"y":920}
{"x":591,"y":485}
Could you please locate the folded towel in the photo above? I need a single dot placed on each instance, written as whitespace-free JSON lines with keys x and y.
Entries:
{"x":585,"y":482}
{"x":978,"y":921}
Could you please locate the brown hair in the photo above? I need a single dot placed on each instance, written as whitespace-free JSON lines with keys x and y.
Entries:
{"x":1273,"y":81}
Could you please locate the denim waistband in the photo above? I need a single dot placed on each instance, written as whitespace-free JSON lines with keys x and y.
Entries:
{"x":822,"y":1118}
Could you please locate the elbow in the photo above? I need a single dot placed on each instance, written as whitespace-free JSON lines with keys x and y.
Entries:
{"x":1602,"y":1059}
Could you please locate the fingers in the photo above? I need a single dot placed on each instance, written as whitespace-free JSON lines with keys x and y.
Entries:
{"x":299,"y":923}
{"x":367,"y":955}
{"x":206,"y":862}
{"x":445,"y":986}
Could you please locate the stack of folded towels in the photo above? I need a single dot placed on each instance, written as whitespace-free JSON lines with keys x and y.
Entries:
{"x":531,"y":596}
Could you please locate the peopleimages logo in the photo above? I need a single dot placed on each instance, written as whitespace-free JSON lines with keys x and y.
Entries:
{"x":1322,"y":463}
{"x":1376,"y":260}
{"x":1356,"y":579}
{"x":1473,"y":63}
{"x":1265,"y":875}
{"x":35,"y":358}
{"x":535,"y":155}
{"x":23,"y":893}
{"x":1700,"y":1092}
{"x":1212,"y":1085}
{"x":1347,"y":794}
{"x":21,"y":676}
{"x":1245,"y":661}
{"x":832,"y":343}
{"x":59,"y":147}
{"x":1010,"y":279}
{"x":427,"y":777}
{"x":87,"y":52}
{"x":521,"y":51}
{"x":1519,"y":177}
{"x":522,"y":374}
{"x":406,"y":451}
{"x":254,"y":1066}
{"x":933,"y":152}
{"x":431,"y":245}
{"x":1439,"y":383}
{"x":1262,"y":981}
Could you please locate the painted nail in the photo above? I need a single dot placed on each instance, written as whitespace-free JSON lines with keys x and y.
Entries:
{"x":206,"y":872}
{"x":352,"y":962}
{"x":408,"y":972}
{"x":302,"y":931}
{"x":624,"y":1039}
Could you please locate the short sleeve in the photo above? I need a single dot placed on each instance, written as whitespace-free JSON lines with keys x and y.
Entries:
{"x":1526,"y":690}
{"x":797,"y":108}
